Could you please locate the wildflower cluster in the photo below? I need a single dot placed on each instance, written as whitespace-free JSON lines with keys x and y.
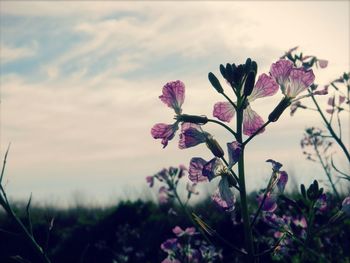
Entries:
{"x":227,"y":168}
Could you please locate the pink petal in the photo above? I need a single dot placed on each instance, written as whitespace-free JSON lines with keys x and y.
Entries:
{"x":224,"y":111}
{"x":282,"y":181}
{"x":164,"y":131}
{"x":191,"y":135}
{"x":223,"y":196}
{"x":270,"y":204}
{"x":195,"y":170}
{"x":178,"y":231}
{"x":299,"y":80}
{"x":234,"y":150}
{"x":322,"y":63}
{"x":331,"y":101}
{"x":330,"y":111}
{"x":280,"y":71}
{"x":341,"y":99}
{"x":251,"y":122}
{"x":265,"y":86}
{"x":174,"y":95}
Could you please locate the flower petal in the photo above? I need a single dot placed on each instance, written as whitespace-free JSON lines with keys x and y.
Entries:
{"x":223,"y":196}
{"x":280,"y":71}
{"x":322,"y":63}
{"x":234,"y":150}
{"x":224,"y":111}
{"x":299,"y":80}
{"x":282,"y":181}
{"x":164,"y":131}
{"x":211,"y":168}
{"x":191,"y":135}
{"x":265,"y":86}
{"x":251,"y":122}
{"x":195,"y":170}
{"x":346,"y":206}
{"x":270,"y":204}
{"x":174,"y":95}
{"x":276,"y":166}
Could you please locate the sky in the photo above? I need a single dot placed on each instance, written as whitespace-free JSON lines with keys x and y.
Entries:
{"x":80,"y":83}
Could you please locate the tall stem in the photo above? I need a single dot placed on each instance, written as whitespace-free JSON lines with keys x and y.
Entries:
{"x":243,"y":194}
{"x":330,"y":129}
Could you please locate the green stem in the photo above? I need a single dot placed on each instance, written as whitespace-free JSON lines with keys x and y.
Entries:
{"x":326,"y":170}
{"x":330,"y":129}
{"x":225,"y":126}
{"x":244,"y":206}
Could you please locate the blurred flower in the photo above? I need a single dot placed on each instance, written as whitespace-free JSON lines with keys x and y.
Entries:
{"x":179,"y":232}
{"x":264,"y":87}
{"x":321,"y":203}
{"x":295,"y":106}
{"x":150,"y":180}
{"x":163,"y":195}
{"x":169,"y":245}
{"x":300,"y":221}
{"x":270,"y":204}
{"x":333,"y":105}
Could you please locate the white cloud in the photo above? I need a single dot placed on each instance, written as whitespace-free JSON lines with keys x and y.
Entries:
{"x":10,"y":54}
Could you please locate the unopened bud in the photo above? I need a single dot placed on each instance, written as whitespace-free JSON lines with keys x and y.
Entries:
{"x":277,"y":112}
{"x":215,"y":82}
{"x":214,"y":147}
{"x":249,"y":84}
{"x":254,"y":67}
{"x":192,"y":119}
{"x":223,"y":70}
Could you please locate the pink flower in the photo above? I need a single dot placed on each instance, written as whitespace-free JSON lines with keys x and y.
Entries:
{"x":191,"y":135}
{"x":292,"y":80}
{"x":179,"y":232}
{"x":174,"y":95}
{"x":150,"y":180}
{"x":322,"y":63}
{"x":300,"y":221}
{"x":224,"y":111}
{"x":163,"y":131}
{"x":163,"y":195}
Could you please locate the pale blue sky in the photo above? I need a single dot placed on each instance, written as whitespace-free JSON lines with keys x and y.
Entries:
{"x":80,"y":83}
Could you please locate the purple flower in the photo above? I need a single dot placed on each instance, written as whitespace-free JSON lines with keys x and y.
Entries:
{"x":234,"y":151}
{"x":164,"y":131}
{"x":282,"y":181}
{"x":163,"y":195}
{"x":169,"y":245}
{"x":276,"y":166}
{"x":179,"y":232}
{"x":321,"y":203}
{"x":346,"y":206}
{"x":150,"y":180}
{"x":269,"y":204}
{"x":174,"y":95}
{"x":223,"y":196}
{"x":191,"y":135}
{"x":292,"y":80}
{"x":274,"y":221}
{"x":195,"y":173}
{"x":224,"y":111}
{"x":212,"y":168}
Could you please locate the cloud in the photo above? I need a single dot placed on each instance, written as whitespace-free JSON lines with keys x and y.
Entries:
{"x":9,"y":54}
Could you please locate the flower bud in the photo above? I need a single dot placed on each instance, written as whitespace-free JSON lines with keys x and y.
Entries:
{"x":192,"y":119}
{"x":249,"y":84}
{"x":229,"y":72}
{"x":254,"y":67}
{"x":223,"y":71}
{"x":215,"y":82}
{"x":247,"y":65}
{"x":277,"y":112}
{"x":214,"y":147}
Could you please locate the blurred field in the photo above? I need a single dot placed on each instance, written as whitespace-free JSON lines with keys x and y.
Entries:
{"x":133,"y":232}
